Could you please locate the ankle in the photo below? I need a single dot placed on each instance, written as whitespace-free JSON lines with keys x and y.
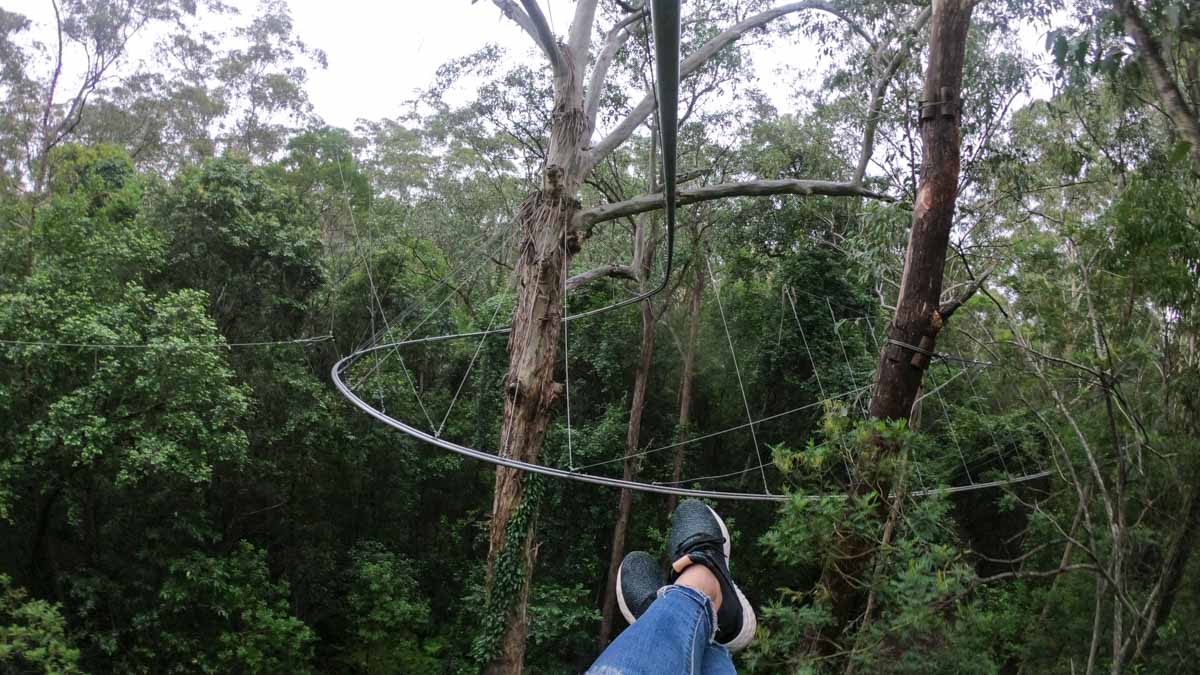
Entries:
{"x":700,"y":578}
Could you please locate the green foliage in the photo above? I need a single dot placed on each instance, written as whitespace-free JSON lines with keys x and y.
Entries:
{"x":170,"y":503}
{"x":916,"y":576}
{"x":226,"y":217}
{"x":33,"y":635}
{"x":508,"y":573}
{"x":221,"y":614}
{"x":386,"y":615}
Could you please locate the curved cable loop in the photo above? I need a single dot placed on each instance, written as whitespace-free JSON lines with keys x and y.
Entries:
{"x":665,"y":18}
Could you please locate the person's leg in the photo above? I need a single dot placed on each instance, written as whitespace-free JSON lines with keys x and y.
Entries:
{"x":671,"y":638}
{"x":692,"y":625}
{"x":717,"y":661}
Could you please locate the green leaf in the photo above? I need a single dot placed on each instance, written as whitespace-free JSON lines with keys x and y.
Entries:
{"x":1180,"y":152}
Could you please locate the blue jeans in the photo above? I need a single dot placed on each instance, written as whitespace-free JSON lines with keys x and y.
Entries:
{"x":673,"y":637}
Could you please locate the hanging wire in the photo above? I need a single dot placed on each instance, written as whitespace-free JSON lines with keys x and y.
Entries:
{"x":987,"y":427}
{"x":950,"y":426}
{"x":379,"y":302}
{"x":838,"y":333}
{"x":738,"y":370}
{"x":792,"y":299}
{"x":416,"y":303}
{"x":721,"y":432}
{"x":467,"y":374}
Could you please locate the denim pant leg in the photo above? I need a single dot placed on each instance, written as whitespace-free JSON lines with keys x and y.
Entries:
{"x":671,"y":638}
{"x":717,"y":661}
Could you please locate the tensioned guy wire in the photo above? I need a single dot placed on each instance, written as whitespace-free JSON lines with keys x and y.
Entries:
{"x":378,"y":302}
{"x":738,"y":371}
{"x":792,"y":299}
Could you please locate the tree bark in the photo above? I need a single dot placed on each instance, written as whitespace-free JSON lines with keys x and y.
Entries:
{"x":917,"y":320}
{"x":548,"y":242}
{"x":696,"y":295}
{"x":641,"y":380}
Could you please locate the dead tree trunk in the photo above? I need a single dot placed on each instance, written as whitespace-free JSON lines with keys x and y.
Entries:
{"x":917,"y":320}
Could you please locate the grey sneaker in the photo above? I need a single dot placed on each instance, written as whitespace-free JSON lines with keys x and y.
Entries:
{"x":638,"y":579}
{"x":699,"y":537}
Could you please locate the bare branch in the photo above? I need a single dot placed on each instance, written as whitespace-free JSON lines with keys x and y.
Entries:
{"x":614,"y":271}
{"x":1151,"y":57}
{"x":949,"y":308}
{"x":540,"y":32}
{"x":1039,"y":574}
{"x":588,"y":218}
{"x":579,"y":39}
{"x":881,"y":85}
{"x":545,"y":36}
{"x":613,"y":42}
{"x":854,"y":26}
{"x":691,"y":64}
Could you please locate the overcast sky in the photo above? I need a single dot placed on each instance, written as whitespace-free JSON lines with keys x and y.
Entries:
{"x":380,"y":53}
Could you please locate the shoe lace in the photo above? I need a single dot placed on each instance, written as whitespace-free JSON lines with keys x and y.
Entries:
{"x":700,"y":541}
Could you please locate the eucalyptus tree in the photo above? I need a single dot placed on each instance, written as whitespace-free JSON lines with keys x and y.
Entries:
{"x":241,"y":90}
{"x":1092,"y":191}
{"x":47,"y":109}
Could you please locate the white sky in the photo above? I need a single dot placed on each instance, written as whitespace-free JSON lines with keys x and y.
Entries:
{"x":381,"y":53}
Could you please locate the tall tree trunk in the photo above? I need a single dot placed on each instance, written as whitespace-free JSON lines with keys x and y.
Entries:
{"x":1187,"y":124}
{"x":548,"y":241}
{"x":640,"y":383}
{"x":645,"y":243}
{"x":917,"y":319}
{"x":696,"y":294}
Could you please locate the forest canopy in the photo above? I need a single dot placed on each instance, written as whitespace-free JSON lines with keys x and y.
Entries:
{"x":929,"y":310}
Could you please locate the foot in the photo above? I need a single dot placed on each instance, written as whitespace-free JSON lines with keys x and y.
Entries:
{"x":638,"y":579}
{"x":699,"y":537}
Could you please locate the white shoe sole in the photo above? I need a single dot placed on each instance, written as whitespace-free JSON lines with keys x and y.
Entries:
{"x":629,"y":617}
{"x":749,"y":621}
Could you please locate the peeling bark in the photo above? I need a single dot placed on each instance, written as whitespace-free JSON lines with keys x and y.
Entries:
{"x":530,"y":394}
